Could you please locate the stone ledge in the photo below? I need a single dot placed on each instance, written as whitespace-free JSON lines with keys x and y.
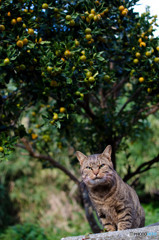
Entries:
{"x":145,"y":233}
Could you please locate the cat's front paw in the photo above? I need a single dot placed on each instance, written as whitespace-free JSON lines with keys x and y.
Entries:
{"x":110,"y":229}
{"x":123,"y":226}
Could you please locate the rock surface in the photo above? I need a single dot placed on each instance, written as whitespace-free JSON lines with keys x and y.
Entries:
{"x":145,"y":233}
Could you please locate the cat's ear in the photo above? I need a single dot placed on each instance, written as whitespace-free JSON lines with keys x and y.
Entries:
{"x":81,"y":157}
{"x":107,"y":152}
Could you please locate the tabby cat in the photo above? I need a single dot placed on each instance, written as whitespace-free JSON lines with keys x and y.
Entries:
{"x":116,"y":203}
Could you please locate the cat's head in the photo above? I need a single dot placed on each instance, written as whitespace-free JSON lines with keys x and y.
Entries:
{"x":97,"y":169}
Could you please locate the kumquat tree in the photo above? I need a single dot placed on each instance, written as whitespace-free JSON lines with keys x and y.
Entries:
{"x":78,"y":75}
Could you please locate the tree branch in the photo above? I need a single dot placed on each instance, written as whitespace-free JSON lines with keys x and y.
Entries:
{"x":89,"y":209}
{"x":142,"y":168}
{"x":153,"y":109}
{"x":150,"y":110}
{"x":82,"y":187}
{"x":86,"y":107}
{"x":117,"y":86}
{"x":102,"y":99}
{"x":129,"y":100}
{"x":29,"y":148}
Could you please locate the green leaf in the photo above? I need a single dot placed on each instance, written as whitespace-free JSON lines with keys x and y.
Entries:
{"x":45,"y":42}
{"x":31,"y":45}
{"x":69,"y":81}
{"x":58,"y":125}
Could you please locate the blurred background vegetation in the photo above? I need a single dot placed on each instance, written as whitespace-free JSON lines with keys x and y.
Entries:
{"x":74,"y":75}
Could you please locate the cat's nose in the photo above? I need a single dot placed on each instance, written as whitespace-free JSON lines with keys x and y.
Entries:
{"x":96,"y":171}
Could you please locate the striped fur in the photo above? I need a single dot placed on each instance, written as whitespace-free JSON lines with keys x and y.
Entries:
{"x":116,"y":203}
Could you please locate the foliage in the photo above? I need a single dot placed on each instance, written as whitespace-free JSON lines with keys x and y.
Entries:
{"x":27,"y":231}
{"x":140,"y":150}
{"x":43,"y":197}
{"x":151,"y":212}
{"x":76,"y":65}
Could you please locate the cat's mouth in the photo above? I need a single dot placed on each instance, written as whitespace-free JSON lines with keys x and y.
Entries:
{"x":96,"y":178}
{"x":96,"y":181}
{"x":106,"y":180}
{"x":99,"y":179}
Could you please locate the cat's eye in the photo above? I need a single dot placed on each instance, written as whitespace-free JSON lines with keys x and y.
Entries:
{"x":88,"y":167}
{"x":102,"y":165}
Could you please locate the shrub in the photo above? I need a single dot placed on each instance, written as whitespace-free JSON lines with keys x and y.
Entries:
{"x":26,"y":231}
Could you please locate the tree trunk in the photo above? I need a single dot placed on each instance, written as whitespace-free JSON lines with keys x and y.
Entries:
{"x":113,"y":155}
{"x":89,"y":210}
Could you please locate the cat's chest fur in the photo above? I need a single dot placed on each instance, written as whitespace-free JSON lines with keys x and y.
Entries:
{"x":106,"y":201}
